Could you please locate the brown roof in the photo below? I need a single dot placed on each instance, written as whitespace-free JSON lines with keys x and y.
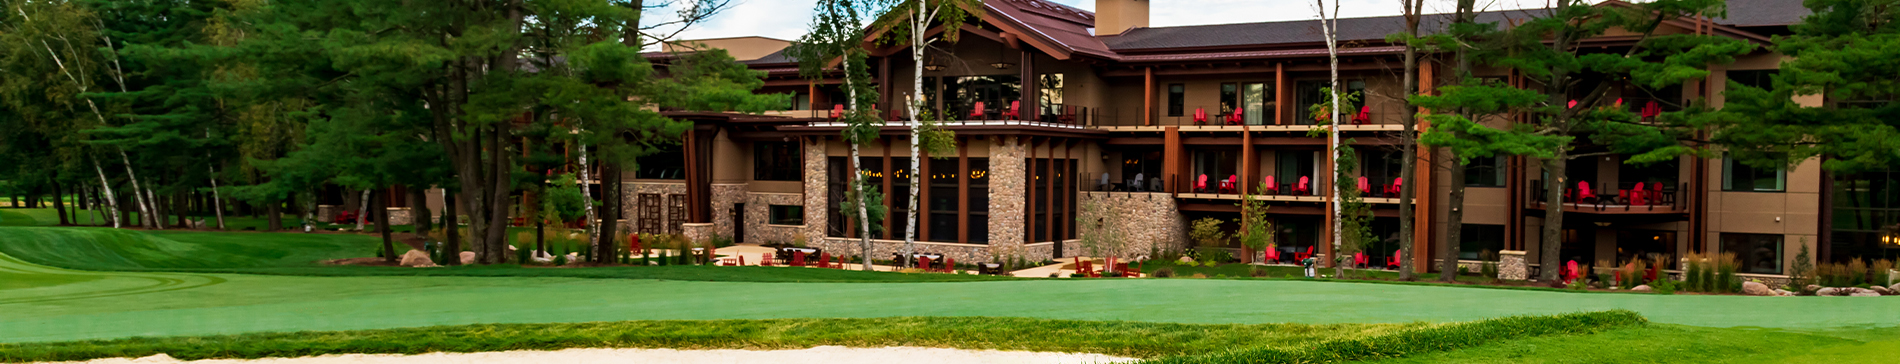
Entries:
{"x":1065,"y":26}
{"x":1756,"y":13}
{"x":1284,"y":32}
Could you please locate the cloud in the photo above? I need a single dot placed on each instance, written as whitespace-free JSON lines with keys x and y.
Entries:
{"x":787,"y":19}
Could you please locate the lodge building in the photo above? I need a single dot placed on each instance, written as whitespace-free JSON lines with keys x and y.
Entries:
{"x":1057,"y":109}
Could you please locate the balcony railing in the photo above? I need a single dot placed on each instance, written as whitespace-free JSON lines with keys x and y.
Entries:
{"x":1625,"y":196}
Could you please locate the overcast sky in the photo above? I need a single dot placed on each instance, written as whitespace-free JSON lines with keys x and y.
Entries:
{"x":787,"y":19}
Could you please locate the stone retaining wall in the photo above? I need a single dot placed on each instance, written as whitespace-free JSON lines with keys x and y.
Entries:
{"x":1511,"y":266}
{"x":758,"y":216}
{"x":883,"y":249}
{"x":1144,"y":221}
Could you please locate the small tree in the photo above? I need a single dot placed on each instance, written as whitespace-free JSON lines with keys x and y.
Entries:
{"x":1256,"y":230}
{"x":1209,"y":239}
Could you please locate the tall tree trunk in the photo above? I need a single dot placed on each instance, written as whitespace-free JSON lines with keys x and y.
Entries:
{"x":587,"y":197}
{"x":1552,"y":244}
{"x":217,"y":201}
{"x":382,"y":225}
{"x":419,"y":213}
{"x":610,"y":219}
{"x":59,"y":206}
{"x":274,"y":214}
{"x":181,"y":206}
{"x":1332,"y":145}
{"x":145,"y":210}
{"x":362,"y":210}
{"x":451,"y":229}
{"x":1455,"y":219}
{"x":1408,"y":118}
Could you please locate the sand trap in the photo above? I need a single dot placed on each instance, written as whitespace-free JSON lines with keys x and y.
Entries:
{"x":821,"y":354}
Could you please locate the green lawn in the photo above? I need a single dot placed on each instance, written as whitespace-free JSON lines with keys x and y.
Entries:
{"x":1684,"y":344}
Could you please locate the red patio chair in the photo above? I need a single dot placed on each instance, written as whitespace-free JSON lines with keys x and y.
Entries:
{"x":1200,"y":116}
{"x":1302,"y":189}
{"x":1398,"y":184}
{"x":1656,"y":195}
{"x":798,"y":259}
{"x":1201,"y":184}
{"x":1015,"y":108}
{"x":1365,"y":188}
{"x":1298,"y":256}
{"x":1234,"y":119}
{"x":1570,"y":272}
{"x":765,"y":260}
{"x":1637,"y":197}
{"x":1364,"y":117}
{"x":839,"y":263}
{"x":1393,"y":262}
{"x":837,"y":111}
{"x":924,"y":262}
{"x":741,"y":260}
{"x":1359,"y":259}
{"x":976,"y":113}
{"x":1651,"y":110}
{"x":1272,"y":188}
{"x":824,"y":260}
{"x":1272,"y":254}
{"x":1584,"y":193}
{"x":1228,"y":185}
{"x":1131,"y":273}
{"x":949,"y":265}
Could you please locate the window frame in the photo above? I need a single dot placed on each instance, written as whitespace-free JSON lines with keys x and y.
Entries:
{"x":773,"y":215}
{"x":1495,"y":163}
{"x":1729,"y":181}
{"x":778,"y":161}
{"x":1777,"y":241}
{"x":1177,"y":99}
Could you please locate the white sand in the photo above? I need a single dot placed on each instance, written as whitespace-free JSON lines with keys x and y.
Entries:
{"x":821,"y":354}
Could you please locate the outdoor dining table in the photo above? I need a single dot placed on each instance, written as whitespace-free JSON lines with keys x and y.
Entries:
{"x":785,"y":254}
{"x":935,"y":259}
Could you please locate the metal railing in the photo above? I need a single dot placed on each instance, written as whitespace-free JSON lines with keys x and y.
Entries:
{"x":1624,"y":195}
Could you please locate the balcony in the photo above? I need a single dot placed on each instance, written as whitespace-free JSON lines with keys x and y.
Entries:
{"x":1129,"y":118}
{"x":1624,"y":198}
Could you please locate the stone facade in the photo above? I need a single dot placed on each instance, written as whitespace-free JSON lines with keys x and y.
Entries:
{"x":698,"y":232}
{"x":1006,"y":184}
{"x":758,"y":218}
{"x":723,"y":197}
{"x":630,"y":201}
{"x":817,"y":190}
{"x":1144,"y":221}
{"x":327,"y":212}
{"x":400,"y":216}
{"x":1511,"y":266}
{"x":885,"y":249}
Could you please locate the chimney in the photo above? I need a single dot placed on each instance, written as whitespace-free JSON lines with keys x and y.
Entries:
{"x":1116,"y":16}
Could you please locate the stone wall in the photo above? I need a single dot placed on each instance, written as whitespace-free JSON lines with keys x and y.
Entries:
{"x":817,"y":189}
{"x":630,"y":201}
{"x":327,"y":213}
{"x":723,"y":197}
{"x":1144,"y":221}
{"x":758,"y":229}
{"x":1511,"y":266}
{"x":1006,"y":198}
{"x":884,"y":249}
{"x":399,"y":216}
{"x":698,"y":232}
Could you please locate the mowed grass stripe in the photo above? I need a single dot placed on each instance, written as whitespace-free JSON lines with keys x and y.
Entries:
{"x":1132,"y":339}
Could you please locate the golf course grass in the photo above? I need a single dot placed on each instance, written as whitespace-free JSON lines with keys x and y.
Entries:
{"x":62,"y":284}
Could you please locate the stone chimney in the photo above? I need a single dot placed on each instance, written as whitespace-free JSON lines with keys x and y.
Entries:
{"x":1116,"y":16}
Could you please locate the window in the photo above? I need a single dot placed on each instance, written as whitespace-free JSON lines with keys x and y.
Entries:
{"x":898,"y":197}
{"x":777,"y":161}
{"x":1759,"y":253}
{"x":669,"y":162}
{"x":1049,"y":87}
{"x":995,"y":92}
{"x":1257,"y":104}
{"x":1177,"y":95}
{"x":1311,"y":93}
{"x":836,"y":173}
{"x":1292,"y":165}
{"x":1381,"y":167}
{"x":1217,"y":165}
{"x":944,"y":198}
{"x":1229,"y":97}
{"x":801,"y":101}
{"x":1666,"y":173}
{"x":785,"y":215}
{"x":1476,"y":239}
{"x":1738,"y":176}
{"x":1485,"y":172}
{"x":1761,"y":79}
{"x":979,"y":192}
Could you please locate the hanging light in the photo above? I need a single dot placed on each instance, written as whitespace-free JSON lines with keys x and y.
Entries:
{"x":933,"y":66}
{"x":1000,"y":63}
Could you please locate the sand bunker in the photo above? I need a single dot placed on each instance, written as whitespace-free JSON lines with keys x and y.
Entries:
{"x":816,"y":355}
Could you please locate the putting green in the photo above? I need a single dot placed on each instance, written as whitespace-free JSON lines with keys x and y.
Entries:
{"x":41,"y":303}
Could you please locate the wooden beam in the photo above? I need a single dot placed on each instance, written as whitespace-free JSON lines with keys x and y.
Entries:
{"x":1422,"y":230}
{"x":1279,"y":94}
{"x":1170,"y":154}
{"x":1148,"y":96}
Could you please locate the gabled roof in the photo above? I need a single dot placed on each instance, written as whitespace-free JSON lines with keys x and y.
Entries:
{"x":1757,"y":13}
{"x":1059,"y":25}
{"x":1284,"y":32}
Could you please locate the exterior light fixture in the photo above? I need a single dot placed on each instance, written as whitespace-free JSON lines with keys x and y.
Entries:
{"x":1000,"y":63}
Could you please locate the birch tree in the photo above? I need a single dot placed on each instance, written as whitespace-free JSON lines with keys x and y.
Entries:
{"x":836,"y":37}
{"x":1329,"y":30}
{"x":908,"y":22}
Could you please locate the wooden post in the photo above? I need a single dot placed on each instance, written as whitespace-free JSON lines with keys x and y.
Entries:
{"x":1170,"y":159}
{"x":1422,"y":186}
{"x":1148,"y":96}
{"x":1279,"y":94}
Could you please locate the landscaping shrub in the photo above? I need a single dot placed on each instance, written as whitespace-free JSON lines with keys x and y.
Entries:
{"x":522,"y":255}
{"x":1213,"y":256}
{"x":1436,"y":338}
{"x":1801,"y":273}
{"x":1725,"y":266}
{"x":1880,"y":272}
{"x":1257,"y":272}
{"x":1164,"y":273}
{"x":1856,"y":272}
{"x":1663,"y":285}
{"x":560,"y":260}
{"x":1694,"y":277}
{"x":1207,"y":234}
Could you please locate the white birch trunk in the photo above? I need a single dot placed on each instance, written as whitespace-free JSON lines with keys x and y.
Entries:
{"x":217,"y":201}
{"x":1332,"y":143}
{"x":587,"y":198}
{"x":362,"y":208}
{"x":864,"y":221}
{"x":145,"y":210}
{"x":919,"y":44}
{"x":106,"y":187}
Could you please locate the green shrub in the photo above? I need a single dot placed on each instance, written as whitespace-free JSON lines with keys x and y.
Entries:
{"x":664,"y":259}
{"x":1164,"y":273}
{"x":1435,"y":338}
{"x":1257,"y":272}
{"x":1663,"y":285}
{"x":560,"y":260}
{"x":522,"y":255}
{"x":1725,"y":266}
{"x":1856,"y":272}
{"x":1880,"y":269}
{"x":1213,"y":256}
{"x":1490,"y":270}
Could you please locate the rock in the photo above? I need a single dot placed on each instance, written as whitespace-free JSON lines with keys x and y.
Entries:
{"x":1895,"y":288}
{"x":1829,"y":292}
{"x":1641,"y":288}
{"x":1756,"y":289}
{"x":1881,"y":290}
{"x":468,"y":258}
{"x":542,"y":257}
{"x":416,"y":258}
{"x":1812,"y":288}
{"x":1185,"y":260}
{"x":1864,"y":293}
{"x":160,"y":358}
{"x":573,"y":258}
{"x":1783,"y":293}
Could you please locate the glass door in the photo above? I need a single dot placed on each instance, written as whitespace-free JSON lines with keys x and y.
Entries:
{"x":1254,"y":97}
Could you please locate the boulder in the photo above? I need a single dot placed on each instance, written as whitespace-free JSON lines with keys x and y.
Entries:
{"x":1881,"y":290}
{"x":1830,"y":292}
{"x":416,"y":258}
{"x":542,"y":257}
{"x":1641,"y":288}
{"x":1783,"y":293}
{"x":468,"y":258}
{"x":1185,"y":260}
{"x":1863,"y":292}
{"x":573,"y":258}
{"x":1756,"y":289}
{"x":1811,"y":288}
{"x":1895,"y":288}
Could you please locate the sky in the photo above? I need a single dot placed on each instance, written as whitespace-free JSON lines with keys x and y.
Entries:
{"x":787,"y":19}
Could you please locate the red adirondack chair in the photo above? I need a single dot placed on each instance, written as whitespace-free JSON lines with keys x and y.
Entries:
{"x":1392,"y":261}
{"x":1298,"y":256}
{"x":1364,"y":116}
{"x":837,"y":111}
{"x":1398,"y":184}
{"x":976,"y":113}
{"x":1015,"y":108}
{"x":1272,"y":254}
{"x":1636,"y":197}
{"x":924,"y":262}
{"x":1364,"y":187}
{"x":1655,"y":194}
{"x":798,"y":259}
{"x":1228,"y":185}
{"x":1584,"y":192}
{"x":1302,"y":189}
{"x":1272,"y":188}
{"x":1234,"y":119}
{"x":1200,"y":116}
{"x":824,"y":260}
{"x":1200,"y":185}
{"x":765,"y":260}
{"x":1359,"y":259}
{"x":1570,"y":272}
{"x":1651,"y":110}
{"x":838,"y":263}
{"x":949,"y":265}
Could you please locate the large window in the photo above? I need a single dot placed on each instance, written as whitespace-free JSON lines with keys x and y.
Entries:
{"x":1229,"y":97}
{"x":1761,"y":79}
{"x":1258,"y":99}
{"x":1476,"y":239}
{"x":979,"y":192}
{"x":944,"y":198}
{"x":1381,"y":167}
{"x":777,"y":161}
{"x":899,"y":197}
{"x":1667,"y":173}
{"x":1759,"y":253}
{"x":1177,"y":99}
{"x":1049,"y":88}
{"x":995,"y":92}
{"x":1647,"y":244}
{"x":666,"y":163}
{"x":800,"y":101}
{"x":1312,"y":93}
{"x":1485,"y":172}
{"x":1866,"y":215}
{"x":1293,"y":164}
{"x":1216,"y":164}
{"x":1738,"y":176}
{"x":785,"y":215}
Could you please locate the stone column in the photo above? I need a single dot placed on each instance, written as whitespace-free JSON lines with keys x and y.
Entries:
{"x":817,"y":190}
{"x":1006,"y":197}
{"x":1511,"y":266}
